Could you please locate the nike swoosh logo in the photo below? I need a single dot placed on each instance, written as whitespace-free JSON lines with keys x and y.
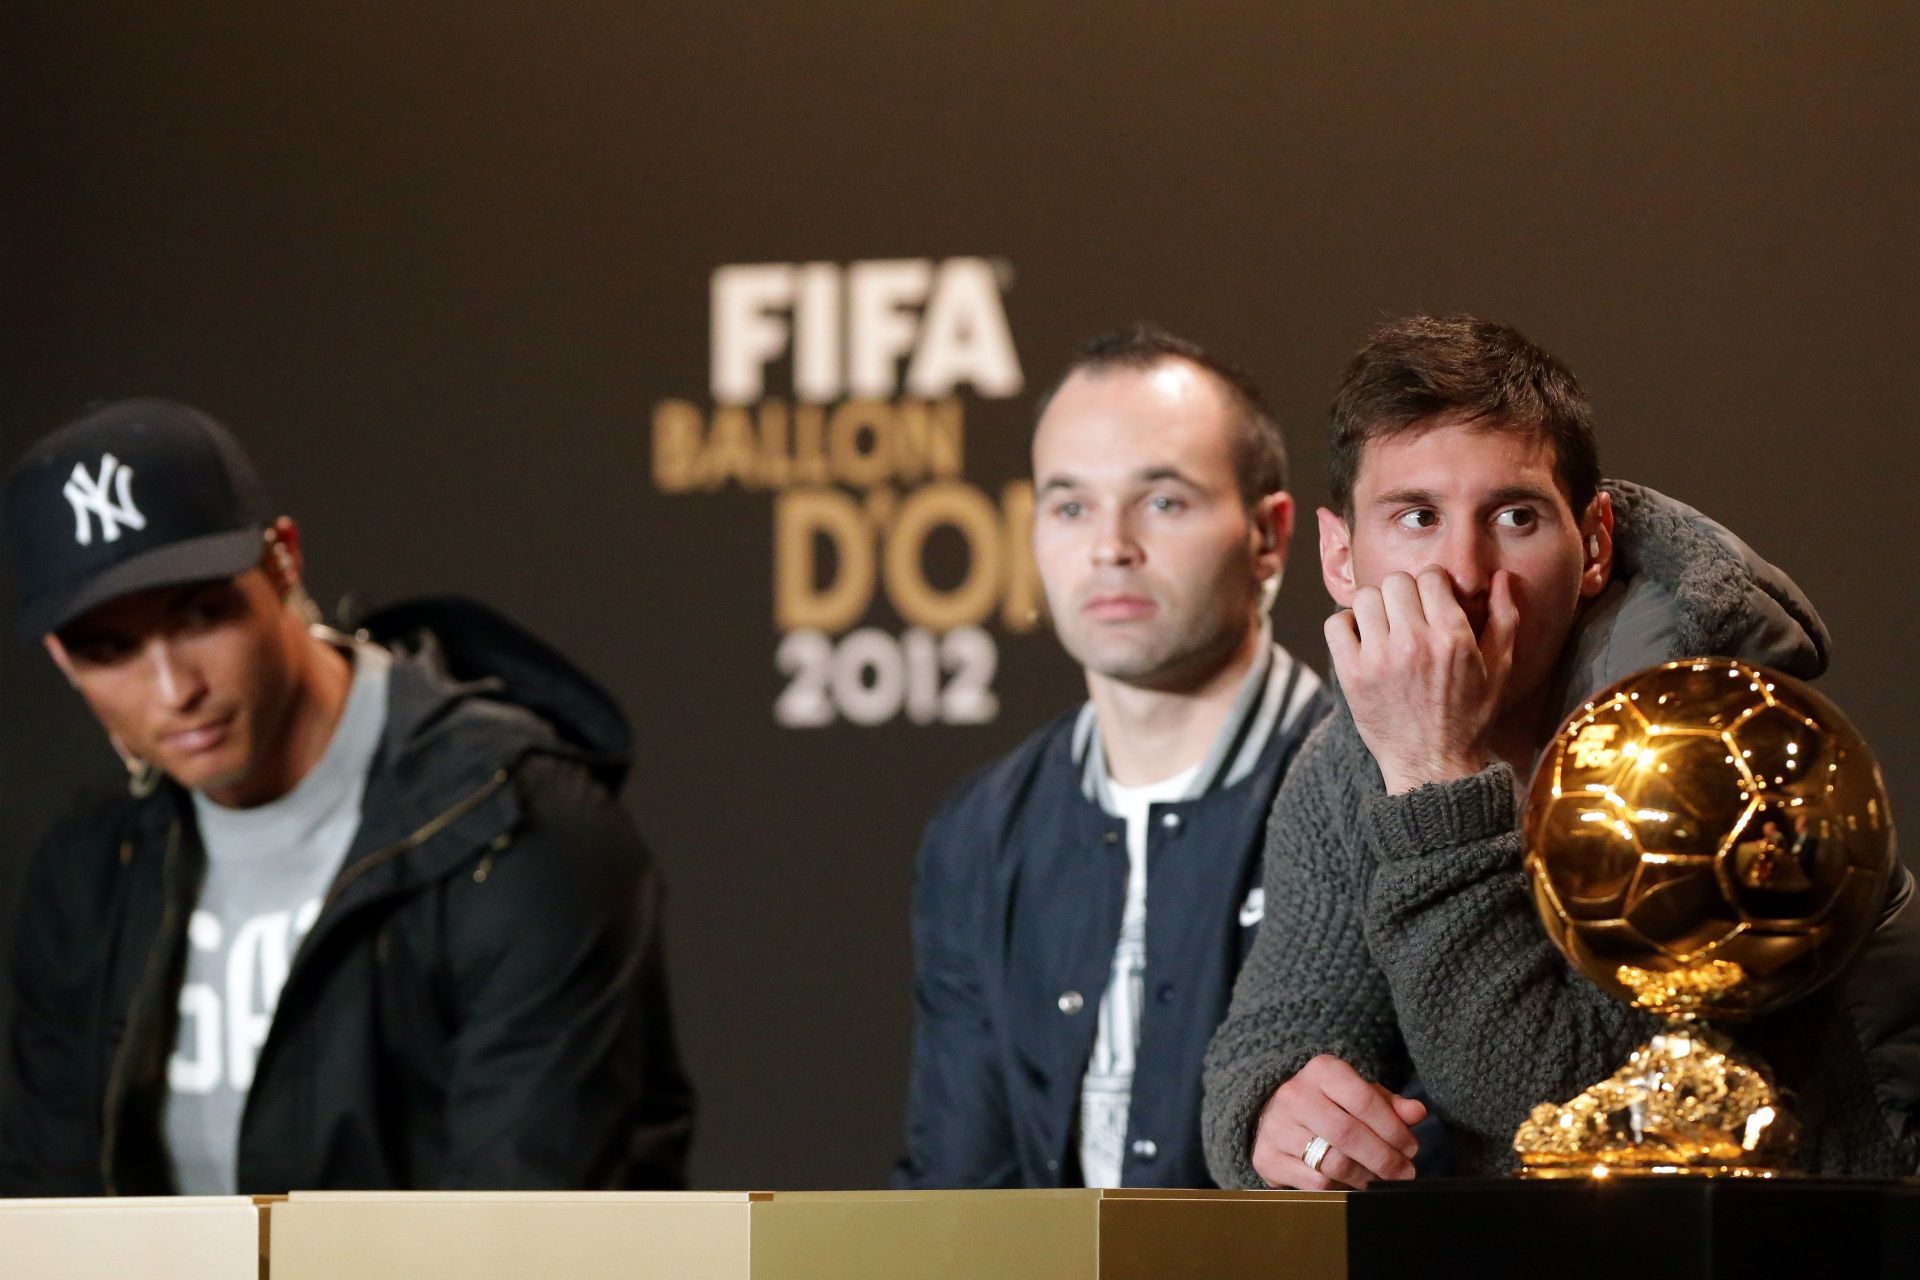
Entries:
{"x":1254,"y":909}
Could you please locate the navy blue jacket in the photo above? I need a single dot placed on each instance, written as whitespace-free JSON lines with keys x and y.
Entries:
{"x":1017,"y":909}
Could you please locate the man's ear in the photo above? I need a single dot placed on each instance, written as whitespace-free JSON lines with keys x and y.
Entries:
{"x":284,"y":561}
{"x":1273,"y":530}
{"x":1336,"y":557}
{"x":1596,"y":546}
{"x":58,"y":652}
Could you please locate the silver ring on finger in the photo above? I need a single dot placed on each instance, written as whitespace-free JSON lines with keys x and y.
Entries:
{"x":1316,"y":1152}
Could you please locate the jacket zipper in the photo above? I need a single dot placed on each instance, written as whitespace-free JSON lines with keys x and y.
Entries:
{"x":116,"y":1074}
{"x":427,"y":832}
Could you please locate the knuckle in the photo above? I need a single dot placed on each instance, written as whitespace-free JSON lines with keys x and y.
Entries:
{"x":1347,"y":1091}
{"x":1344,"y":1131}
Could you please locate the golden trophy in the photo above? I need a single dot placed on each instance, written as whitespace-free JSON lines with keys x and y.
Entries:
{"x":1706,"y":839}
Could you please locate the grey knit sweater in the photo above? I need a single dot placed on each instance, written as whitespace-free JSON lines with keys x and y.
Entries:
{"x":1400,"y":936}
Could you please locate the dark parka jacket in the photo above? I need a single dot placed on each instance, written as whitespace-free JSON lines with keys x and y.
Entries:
{"x":480,"y":1004}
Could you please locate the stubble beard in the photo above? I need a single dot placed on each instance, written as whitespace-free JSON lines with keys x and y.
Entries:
{"x":1170,"y":659}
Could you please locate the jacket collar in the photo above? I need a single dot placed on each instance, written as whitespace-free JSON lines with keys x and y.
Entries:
{"x":1273,"y":696}
{"x":444,"y":755}
{"x":444,"y":743}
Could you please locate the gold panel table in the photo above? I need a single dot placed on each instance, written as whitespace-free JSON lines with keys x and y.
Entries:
{"x":173,"y":1238}
{"x":964,"y":1235}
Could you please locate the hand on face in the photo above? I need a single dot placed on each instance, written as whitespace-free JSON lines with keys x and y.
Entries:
{"x":1423,"y":687}
{"x":1366,"y":1128}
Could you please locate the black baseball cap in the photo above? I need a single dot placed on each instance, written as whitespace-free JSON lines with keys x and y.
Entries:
{"x":132,"y":495}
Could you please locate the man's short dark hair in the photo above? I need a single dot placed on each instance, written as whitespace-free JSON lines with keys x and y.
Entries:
{"x":1420,"y":367}
{"x":1259,"y":450}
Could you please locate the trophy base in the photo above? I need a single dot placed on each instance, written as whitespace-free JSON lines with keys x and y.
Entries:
{"x":1595,"y":1169}
{"x":1684,"y":1105}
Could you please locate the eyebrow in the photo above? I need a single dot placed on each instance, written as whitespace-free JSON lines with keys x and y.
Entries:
{"x":1499,"y":497}
{"x":187,"y":592}
{"x":176,"y":599}
{"x":79,"y":636}
{"x":1146,"y":475}
{"x":1519,"y":493}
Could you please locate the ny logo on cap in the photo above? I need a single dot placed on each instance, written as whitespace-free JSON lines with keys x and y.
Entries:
{"x":90,"y":494}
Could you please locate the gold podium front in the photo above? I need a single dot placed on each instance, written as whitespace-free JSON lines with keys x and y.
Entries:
{"x":815,"y":1235}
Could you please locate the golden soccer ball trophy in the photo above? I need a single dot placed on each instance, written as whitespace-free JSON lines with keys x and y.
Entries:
{"x":1706,"y":839}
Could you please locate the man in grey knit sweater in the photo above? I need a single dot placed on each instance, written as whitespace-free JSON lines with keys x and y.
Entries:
{"x":1488,"y":583}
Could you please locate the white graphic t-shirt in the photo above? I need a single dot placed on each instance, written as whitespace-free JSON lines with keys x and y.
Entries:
{"x":267,"y":870}
{"x":1107,"y":1090}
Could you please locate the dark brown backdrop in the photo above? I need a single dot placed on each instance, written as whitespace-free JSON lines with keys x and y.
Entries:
{"x":438,"y":263}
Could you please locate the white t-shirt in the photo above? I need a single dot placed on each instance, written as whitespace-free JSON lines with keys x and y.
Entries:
{"x":1107,"y":1090}
{"x":268,"y":868}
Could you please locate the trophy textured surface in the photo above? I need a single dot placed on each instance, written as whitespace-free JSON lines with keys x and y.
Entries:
{"x":1684,"y":1103}
{"x":1706,"y":839}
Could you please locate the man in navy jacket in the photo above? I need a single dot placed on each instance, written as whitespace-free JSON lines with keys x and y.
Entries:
{"x":1084,"y":904}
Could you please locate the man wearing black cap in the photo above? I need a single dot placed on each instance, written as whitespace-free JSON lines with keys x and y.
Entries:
{"x":368,"y":917}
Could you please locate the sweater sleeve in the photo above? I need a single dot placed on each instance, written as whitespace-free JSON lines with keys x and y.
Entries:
{"x":1495,"y":1019}
{"x":1309,"y":986}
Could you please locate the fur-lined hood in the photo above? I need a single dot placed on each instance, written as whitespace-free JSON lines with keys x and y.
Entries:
{"x":1682,"y":586}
